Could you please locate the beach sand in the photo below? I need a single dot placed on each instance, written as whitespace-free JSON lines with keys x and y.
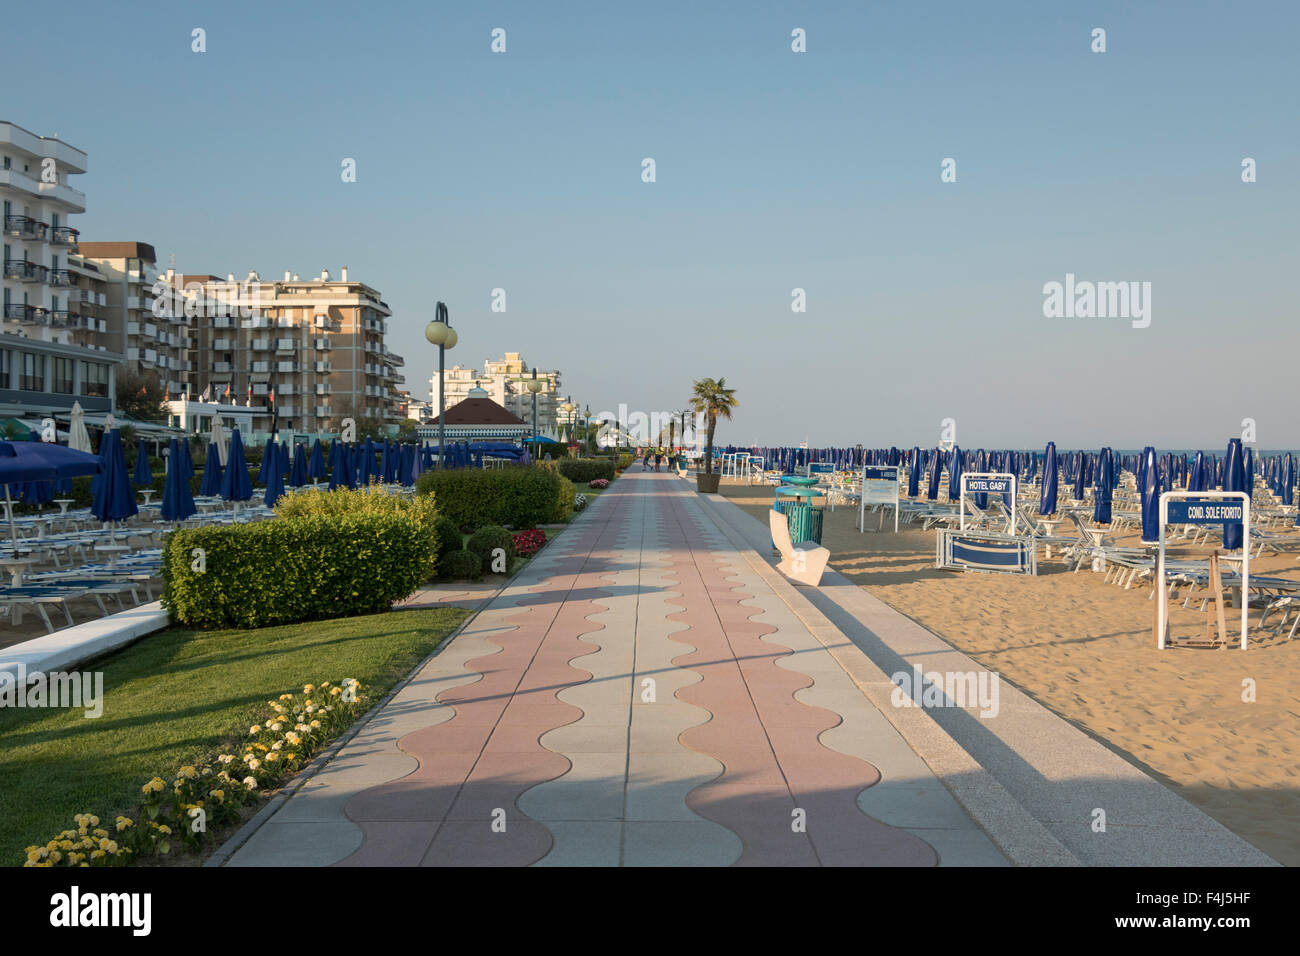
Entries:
{"x":1085,"y":650}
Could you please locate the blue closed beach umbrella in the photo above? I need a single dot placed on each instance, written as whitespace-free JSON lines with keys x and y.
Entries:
{"x":1286,"y":482}
{"x":275,"y":474}
{"x":933,"y":477}
{"x":1102,"y":493}
{"x":316,"y":463}
{"x":914,"y":474}
{"x":142,"y":476}
{"x":954,"y":475}
{"x":268,"y":462}
{"x":113,"y":500}
{"x":211,"y":483}
{"x":177,"y":502}
{"x":1047,"y":496}
{"x":298,"y":470}
{"x":1149,"y":488}
{"x":235,"y":483}
{"x":1234,"y":479}
{"x":981,"y":464}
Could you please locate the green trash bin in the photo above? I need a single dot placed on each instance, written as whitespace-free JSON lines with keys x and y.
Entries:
{"x":804,"y":518}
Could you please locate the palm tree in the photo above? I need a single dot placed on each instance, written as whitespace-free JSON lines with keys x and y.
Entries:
{"x":680,"y":416}
{"x":712,"y":398}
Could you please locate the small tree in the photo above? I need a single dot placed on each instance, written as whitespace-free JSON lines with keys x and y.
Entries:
{"x":712,"y":399}
{"x":140,"y":396}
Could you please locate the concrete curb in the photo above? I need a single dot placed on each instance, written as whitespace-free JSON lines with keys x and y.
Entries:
{"x":70,"y":646}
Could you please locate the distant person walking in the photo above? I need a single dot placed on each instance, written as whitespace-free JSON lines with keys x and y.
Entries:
{"x":649,"y":453}
{"x":659,"y":457}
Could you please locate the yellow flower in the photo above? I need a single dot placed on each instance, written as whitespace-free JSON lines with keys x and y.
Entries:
{"x":124,"y":823}
{"x":308,"y":688}
{"x":250,"y":783}
{"x":315,"y":725}
{"x":100,"y":833}
{"x":336,"y":691}
{"x":255,"y":729}
{"x":286,"y":696}
{"x":98,"y":854}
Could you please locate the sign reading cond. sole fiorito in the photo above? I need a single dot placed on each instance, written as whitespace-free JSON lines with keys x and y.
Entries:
{"x":880,"y":486}
{"x":1203,"y":507}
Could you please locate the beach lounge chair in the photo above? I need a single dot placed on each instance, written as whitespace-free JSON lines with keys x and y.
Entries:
{"x":805,"y":561}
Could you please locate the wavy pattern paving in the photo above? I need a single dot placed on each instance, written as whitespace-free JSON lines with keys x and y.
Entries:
{"x":624,"y":800}
{"x":778,"y":773}
{"x":459,"y":807}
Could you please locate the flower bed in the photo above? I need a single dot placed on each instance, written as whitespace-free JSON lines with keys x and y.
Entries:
{"x":528,"y":543}
{"x":599,"y":483}
{"x":209,"y":797}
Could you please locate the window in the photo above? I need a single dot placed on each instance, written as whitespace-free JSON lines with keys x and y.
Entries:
{"x":4,"y":361}
{"x":62,"y":376}
{"x":94,"y":380}
{"x":31,"y":372}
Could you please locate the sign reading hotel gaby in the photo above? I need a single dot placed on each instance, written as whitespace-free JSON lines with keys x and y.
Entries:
{"x":880,"y":486}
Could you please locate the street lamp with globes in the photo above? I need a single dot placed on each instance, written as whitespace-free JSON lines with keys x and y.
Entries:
{"x":534,"y":385}
{"x":440,"y":333}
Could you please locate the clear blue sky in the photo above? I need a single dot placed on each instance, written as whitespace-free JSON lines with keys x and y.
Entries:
{"x":775,"y":171}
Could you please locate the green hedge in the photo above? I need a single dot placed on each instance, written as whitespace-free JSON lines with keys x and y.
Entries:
{"x":295,"y":569}
{"x":514,"y":497}
{"x":583,"y":470}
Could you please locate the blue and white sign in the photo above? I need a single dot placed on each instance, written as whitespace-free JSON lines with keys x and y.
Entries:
{"x":990,"y":482}
{"x":1205,"y":511}
{"x":880,"y":486}
{"x":1203,"y":507}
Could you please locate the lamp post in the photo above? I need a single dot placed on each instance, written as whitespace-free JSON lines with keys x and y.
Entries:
{"x":534,"y":386}
{"x":586,"y":428}
{"x":440,"y":333}
{"x":569,"y":408}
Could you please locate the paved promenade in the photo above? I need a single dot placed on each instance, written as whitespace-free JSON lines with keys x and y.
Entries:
{"x":639,"y":695}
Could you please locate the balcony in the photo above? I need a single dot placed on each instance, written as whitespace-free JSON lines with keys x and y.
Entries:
{"x":260,"y":345}
{"x":285,"y":345}
{"x":261,"y":367}
{"x":223,"y":345}
{"x":288,"y":410}
{"x":224,"y":322}
{"x":64,"y":236}
{"x":322,"y":345}
{"x":289,"y":368}
{"x":17,"y":312}
{"x":24,"y":271}
{"x":324,"y":367}
{"x":25,"y":227}
{"x":286,"y":388}
{"x":59,"y":277}
{"x":322,"y":411}
{"x":394,"y":359}
{"x":222,"y":368}
{"x":324,"y":388}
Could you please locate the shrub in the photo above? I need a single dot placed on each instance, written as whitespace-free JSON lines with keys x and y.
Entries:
{"x":568,"y":495}
{"x":485,"y":541}
{"x":461,"y":565}
{"x":371,"y":500}
{"x":624,"y":461}
{"x":528,"y":543}
{"x":513,"y":497}
{"x":292,"y":569}
{"x":585,"y":469}
{"x":447,"y":534}
{"x":579,"y":502}
{"x":598,"y":483}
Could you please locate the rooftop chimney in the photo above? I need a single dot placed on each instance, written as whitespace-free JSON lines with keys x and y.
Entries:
{"x":325,"y":275}
{"x":344,"y":275}
{"x":295,"y":277}
{"x":286,"y":275}
{"x":230,"y":277}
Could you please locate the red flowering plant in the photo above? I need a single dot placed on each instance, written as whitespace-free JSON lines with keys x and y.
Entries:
{"x":598,"y":483}
{"x":528,"y":543}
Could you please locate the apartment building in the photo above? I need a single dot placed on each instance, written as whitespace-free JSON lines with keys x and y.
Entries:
{"x":153,"y":341}
{"x":316,"y":345}
{"x":505,"y":382}
{"x":54,"y":349}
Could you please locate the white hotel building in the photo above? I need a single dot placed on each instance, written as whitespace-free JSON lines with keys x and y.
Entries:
{"x":53,"y":351}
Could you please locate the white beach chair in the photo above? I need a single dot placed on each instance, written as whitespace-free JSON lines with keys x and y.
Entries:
{"x":805,"y":561}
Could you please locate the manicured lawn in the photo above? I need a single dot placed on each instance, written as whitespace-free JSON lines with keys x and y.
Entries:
{"x":178,"y":696}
